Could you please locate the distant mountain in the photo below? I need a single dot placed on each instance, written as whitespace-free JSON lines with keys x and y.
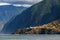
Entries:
{"x":37,"y":15}
{"x":21,"y":2}
{"x":9,"y":11}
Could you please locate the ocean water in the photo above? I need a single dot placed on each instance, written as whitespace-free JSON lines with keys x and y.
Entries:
{"x":29,"y":37}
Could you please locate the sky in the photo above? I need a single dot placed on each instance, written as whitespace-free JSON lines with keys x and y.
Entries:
{"x":23,"y":0}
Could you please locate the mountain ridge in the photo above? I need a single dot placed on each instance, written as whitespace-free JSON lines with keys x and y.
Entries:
{"x":39,"y":14}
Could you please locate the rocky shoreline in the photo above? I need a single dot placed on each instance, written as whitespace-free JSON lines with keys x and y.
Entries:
{"x":50,"y":28}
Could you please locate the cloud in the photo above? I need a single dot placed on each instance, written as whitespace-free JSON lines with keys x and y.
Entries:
{"x":17,"y":5}
{"x":1,"y":4}
{"x":33,"y":0}
{"x":24,"y":5}
{"x":23,"y":0}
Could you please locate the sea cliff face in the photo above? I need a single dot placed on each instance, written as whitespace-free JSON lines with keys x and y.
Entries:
{"x":50,"y":28}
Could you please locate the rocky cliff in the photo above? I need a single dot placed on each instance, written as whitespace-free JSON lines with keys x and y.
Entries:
{"x":50,"y":28}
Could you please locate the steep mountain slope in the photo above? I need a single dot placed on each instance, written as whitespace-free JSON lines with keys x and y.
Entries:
{"x":8,"y":11}
{"x":39,"y":14}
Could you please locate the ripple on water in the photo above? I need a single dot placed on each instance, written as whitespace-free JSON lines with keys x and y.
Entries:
{"x":29,"y":37}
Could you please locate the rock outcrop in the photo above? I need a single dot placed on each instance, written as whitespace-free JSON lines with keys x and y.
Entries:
{"x":50,"y":28}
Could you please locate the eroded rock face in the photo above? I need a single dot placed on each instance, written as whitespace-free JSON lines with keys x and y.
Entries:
{"x":50,"y":28}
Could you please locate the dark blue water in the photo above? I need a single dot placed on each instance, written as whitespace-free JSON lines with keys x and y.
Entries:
{"x":29,"y":37}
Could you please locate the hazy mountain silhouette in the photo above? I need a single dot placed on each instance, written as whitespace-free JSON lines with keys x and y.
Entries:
{"x":9,"y":11}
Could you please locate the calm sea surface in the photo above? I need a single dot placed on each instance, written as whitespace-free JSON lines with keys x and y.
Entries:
{"x":29,"y":37}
